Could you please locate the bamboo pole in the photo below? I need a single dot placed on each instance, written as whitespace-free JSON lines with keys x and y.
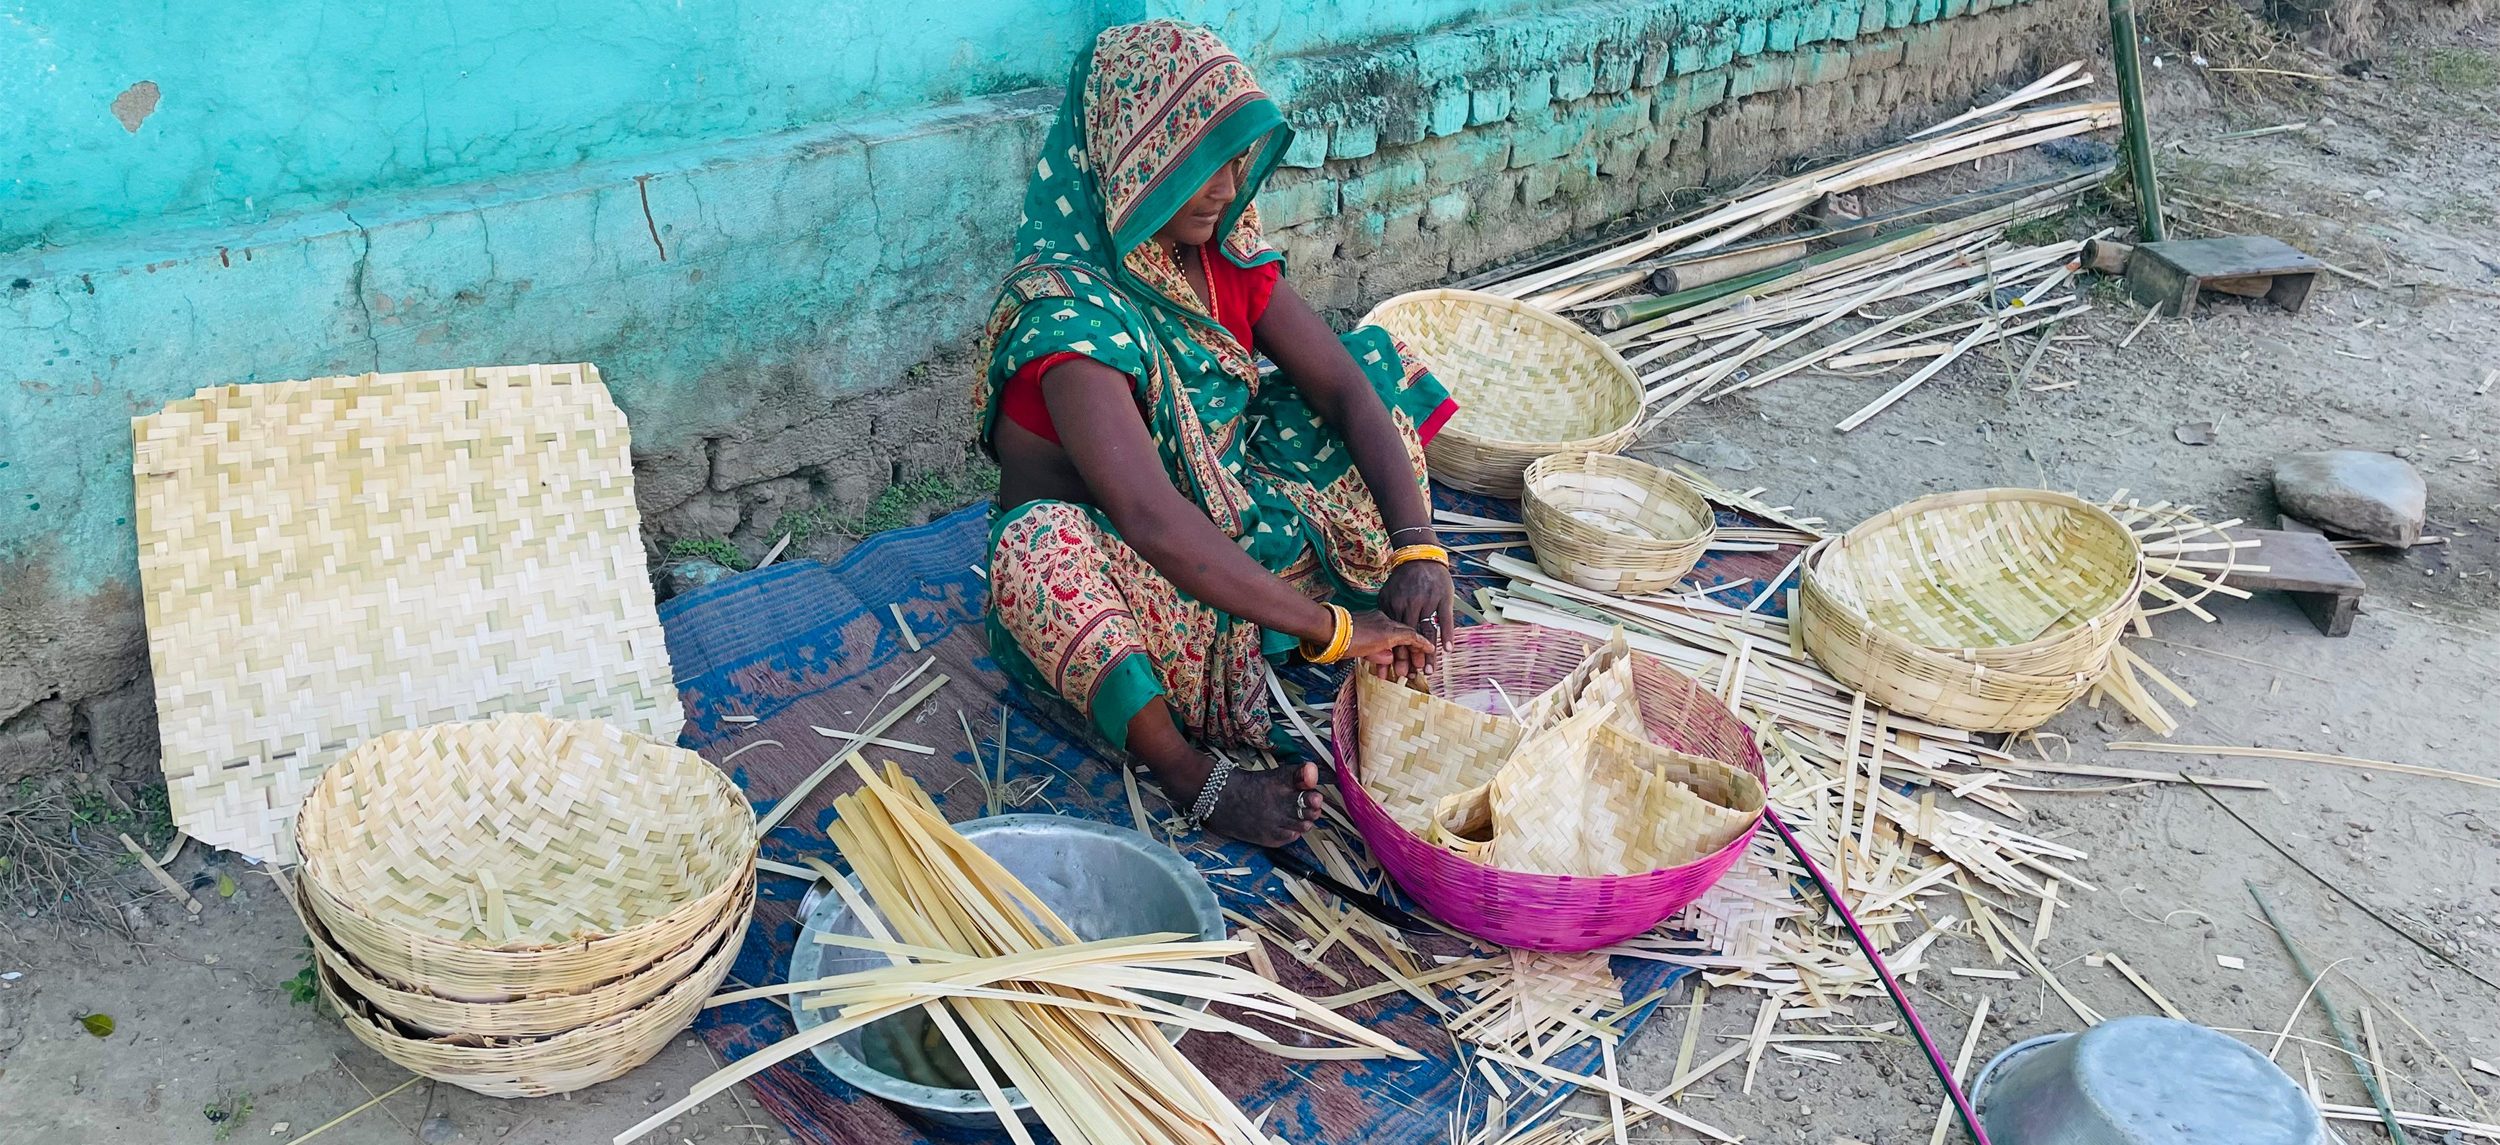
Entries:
{"x":2137,"y":139}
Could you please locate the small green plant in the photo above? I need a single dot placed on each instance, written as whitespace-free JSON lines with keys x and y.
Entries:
{"x":228,"y":1113}
{"x":714,"y":549}
{"x":896,"y":505}
{"x":2459,"y":71}
{"x":2037,"y":232}
{"x":303,"y":990}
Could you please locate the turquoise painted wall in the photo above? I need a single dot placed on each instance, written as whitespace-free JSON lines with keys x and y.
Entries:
{"x":749,"y":213}
{"x":1263,"y":30}
{"x":253,"y":111}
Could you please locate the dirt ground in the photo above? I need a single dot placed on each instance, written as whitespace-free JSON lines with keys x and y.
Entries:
{"x":2392,"y":180}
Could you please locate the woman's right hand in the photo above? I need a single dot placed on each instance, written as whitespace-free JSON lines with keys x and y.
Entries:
{"x":1380,"y":640}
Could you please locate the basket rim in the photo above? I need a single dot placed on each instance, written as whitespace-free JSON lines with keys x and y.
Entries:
{"x":1617,"y":368}
{"x":2113,"y":617}
{"x":1349,"y":758}
{"x":1552,"y":463}
{"x":312,"y":870}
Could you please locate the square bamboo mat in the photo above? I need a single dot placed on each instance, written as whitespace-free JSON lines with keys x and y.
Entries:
{"x":328,"y":559}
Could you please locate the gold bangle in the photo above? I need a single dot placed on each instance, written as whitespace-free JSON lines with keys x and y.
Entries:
{"x":1433,"y":553}
{"x":1337,"y":640}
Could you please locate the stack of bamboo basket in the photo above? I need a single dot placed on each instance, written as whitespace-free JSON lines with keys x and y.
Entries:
{"x":522,"y":906}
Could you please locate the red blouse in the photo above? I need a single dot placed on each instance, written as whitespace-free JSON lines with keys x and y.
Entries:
{"x":1240,"y":299}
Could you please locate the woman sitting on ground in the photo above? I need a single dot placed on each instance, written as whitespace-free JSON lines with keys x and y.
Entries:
{"x":1169,"y":521}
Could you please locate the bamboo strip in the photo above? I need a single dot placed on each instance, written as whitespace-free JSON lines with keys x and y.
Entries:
{"x":797,"y":795}
{"x":1961,"y":1069}
{"x":2305,"y":757}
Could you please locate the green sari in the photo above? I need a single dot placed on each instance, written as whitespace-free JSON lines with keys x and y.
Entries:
{"x":1152,"y":112}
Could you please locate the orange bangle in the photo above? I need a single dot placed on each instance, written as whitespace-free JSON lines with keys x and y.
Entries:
{"x":1337,"y":640}
{"x":1433,"y":553}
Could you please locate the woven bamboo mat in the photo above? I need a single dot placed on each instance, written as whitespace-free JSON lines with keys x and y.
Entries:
{"x":802,"y":644}
{"x":328,"y":559}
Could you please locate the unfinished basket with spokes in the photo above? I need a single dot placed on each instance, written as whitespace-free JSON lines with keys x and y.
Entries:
{"x":1612,"y":524}
{"x":1487,"y":668}
{"x":1987,"y":610}
{"x":1528,"y":383}
{"x":521,"y":856}
{"x":538,"y":1067}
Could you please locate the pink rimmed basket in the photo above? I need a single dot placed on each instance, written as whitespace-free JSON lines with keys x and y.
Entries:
{"x":1533,"y":911}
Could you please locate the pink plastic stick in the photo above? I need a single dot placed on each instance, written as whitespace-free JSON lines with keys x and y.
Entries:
{"x":1918,"y":1029}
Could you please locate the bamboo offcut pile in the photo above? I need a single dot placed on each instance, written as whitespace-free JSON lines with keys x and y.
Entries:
{"x":1741,"y":306}
{"x":1073,"y":1026}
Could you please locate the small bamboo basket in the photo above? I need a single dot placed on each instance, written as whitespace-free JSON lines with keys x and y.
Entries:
{"x":520,"y":857}
{"x":538,"y":1067}
{"x":420,"y":1012}
{"x":1612,"y":524}
{"x":1989,"y":610}
{"x":1528,"y":384}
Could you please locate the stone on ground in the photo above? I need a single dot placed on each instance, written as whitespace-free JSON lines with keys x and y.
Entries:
{"x":2370,"y":496}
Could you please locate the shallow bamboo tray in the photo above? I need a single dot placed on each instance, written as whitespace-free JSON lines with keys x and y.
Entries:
{"x":1609,"y":523}
{"x":1987,"y":610}
{"x":423,"y":1013}
{"x":539,"y":1067}
{"x":1528,"y":384}
{"x":607,"y":851}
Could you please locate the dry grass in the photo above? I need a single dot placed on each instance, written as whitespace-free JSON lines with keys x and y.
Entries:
{"x":2230,"y":36}
{"x":60,"y":846}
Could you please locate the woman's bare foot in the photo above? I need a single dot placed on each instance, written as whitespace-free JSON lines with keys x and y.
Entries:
{"x":1268,"y":808}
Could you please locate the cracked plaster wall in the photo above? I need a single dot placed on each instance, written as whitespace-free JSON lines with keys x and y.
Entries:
{"x":788,"y":315}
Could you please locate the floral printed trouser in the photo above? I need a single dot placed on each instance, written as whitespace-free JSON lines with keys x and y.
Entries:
{"x":1076,"y":613}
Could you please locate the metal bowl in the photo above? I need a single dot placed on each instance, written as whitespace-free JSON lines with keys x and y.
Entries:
{"x":2141,"y":1081}
{"x":1104,"y":881}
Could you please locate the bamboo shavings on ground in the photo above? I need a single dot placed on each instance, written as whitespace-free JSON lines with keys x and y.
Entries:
{"x":1072,"y":1025}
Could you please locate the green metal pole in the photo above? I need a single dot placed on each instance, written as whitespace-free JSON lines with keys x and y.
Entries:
{"x":2138,"y":134}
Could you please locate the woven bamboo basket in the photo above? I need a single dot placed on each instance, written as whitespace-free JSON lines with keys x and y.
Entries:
{"x":538,"y":1067}
{"x":426,"y":1014}
{"x":1544,"y":911}
{"x":1528,"y":384}
{"x":1989,"y":610}
{"x":1612,"y":524}
{"x":521,"y":856}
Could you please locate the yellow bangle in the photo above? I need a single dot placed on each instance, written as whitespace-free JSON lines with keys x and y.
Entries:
{"x":1337,"y":640}
{"x":1433,"y":553}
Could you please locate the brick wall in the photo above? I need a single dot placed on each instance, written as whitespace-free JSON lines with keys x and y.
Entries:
{"x":1426,"y":160}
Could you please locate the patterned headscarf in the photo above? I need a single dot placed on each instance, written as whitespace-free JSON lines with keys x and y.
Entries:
{"x":1152,"y":112}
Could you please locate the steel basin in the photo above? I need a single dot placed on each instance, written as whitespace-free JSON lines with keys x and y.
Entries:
{"x":1104,"y":881}
{"x":2141,"y":1081}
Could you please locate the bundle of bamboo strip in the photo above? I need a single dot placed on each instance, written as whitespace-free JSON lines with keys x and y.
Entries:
{"x":1560,"y":287}
{"x":1073,"y":1025}
{"x":1731,"y":315}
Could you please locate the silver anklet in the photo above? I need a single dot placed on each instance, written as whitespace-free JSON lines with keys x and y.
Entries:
{"x":1204,"y":805}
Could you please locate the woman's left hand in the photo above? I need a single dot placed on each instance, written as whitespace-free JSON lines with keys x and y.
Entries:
{"x":1419,"y":595}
